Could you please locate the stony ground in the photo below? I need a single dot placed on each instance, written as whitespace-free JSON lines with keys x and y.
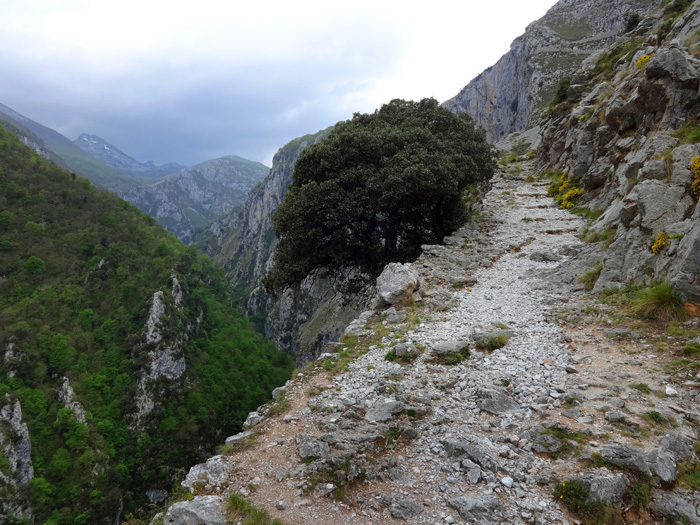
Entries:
{"x":425,"y":438}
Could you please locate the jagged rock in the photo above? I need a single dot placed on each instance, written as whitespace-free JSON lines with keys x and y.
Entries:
{"x":253,"y":419}
{"x":606,"y":486}
{"x":495,"y":400}
{"x":15,"y":444}
{"x":485,"y":510}
{"x":384,"y":409}
{"x":239,"y":438}
{"x":675,"y":505}
{"x":309,"y":447}
{"x":626,"y":456}
{"x":444,"y":348}
{"x":678,"y":445}
{"x":66,"y":396}
{"x":405,"y":349}
{"x":673,"y":63}
{"x":214,"y":472}
{"x":662,"y":464}
{"x":405,"y":508}
{"x":396,"y":284}
{"x":157,"y":496}
{"x":201,"y":510}
{"x":278,"y":392}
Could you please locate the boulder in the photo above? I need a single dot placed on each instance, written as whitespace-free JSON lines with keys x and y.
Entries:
{"x":384,"y":409}
{"x":675,"y":505}
{"x":606,"y":486}
{"x":495,"y":400}
{"x":485,"y":510}
{"x":672,"y":63}
{"x":404,"y":508}
{"x":214,"y":472}
{"x":201,"y":510}
{"x":309,"y":447}
{"x":444,"y":348}
{"x":239,"y":438}
{"x":627,"y":457}
{"x":396,"y":284}
{"x":661,"y":463}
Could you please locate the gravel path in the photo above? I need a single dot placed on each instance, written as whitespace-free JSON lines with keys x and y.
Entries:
{"x":481,"y":441}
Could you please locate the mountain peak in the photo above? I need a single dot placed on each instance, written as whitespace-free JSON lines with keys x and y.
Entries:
{"x":109,"y":154}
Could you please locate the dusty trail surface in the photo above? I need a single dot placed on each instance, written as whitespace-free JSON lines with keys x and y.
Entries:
{"x":429,"y":439}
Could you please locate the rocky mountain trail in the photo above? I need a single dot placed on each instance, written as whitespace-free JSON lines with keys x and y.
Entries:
{"x":484,"y":387}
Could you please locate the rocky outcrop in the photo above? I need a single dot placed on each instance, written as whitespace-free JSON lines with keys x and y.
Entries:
{"x":191,"y":198}
{"x":303,"y":318}
{"x":16,"y":468}
{"x":511,"y":95}
{"x":622,"y":138}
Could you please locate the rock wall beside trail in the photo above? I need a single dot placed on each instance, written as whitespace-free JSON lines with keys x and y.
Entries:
{"x":305,"y":317}
{"x":512,"y":94}
{"x":622,"y":136}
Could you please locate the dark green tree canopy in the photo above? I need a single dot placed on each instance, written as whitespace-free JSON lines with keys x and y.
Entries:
{"x":377,"y":188}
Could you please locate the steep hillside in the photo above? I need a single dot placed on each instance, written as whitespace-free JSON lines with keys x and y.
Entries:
{"x":78,"y":161}
{"x":122,"y":359}
{"x":304,"y":317}
{"x":109,"y":154}
{"x":193,"y":197}
{"x":627,"y":136}
{"x":514,"y":93}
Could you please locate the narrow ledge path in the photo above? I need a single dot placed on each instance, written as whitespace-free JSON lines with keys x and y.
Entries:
{"x":480,"y":441}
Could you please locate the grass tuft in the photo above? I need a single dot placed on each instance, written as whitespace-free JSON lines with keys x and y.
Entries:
{"x":660,"y":301}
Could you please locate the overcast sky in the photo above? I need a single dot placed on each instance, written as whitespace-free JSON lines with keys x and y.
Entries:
{"x":178,"y":81}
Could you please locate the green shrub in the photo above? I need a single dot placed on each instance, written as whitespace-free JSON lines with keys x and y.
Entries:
{"x":455,"y":358}
{"x":691,"y":349}
{"x":560,"y":93}
{"x":642,"y":387}
{"x":493,"y":343}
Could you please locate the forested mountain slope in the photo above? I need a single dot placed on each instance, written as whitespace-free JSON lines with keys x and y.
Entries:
{"x":122,"y":357}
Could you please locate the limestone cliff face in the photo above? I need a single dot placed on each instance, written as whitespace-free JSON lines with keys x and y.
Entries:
{"x":191,"y":198}
{"x":625,"y":136}
{"x":303,"y":318}
{"x":512,"y":94}
{"x":16,"y":469}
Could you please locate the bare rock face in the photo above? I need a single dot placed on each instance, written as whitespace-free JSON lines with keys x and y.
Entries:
{"x":18,"y":470}
{"x":618,"y":141}
{"x":511,"y":95}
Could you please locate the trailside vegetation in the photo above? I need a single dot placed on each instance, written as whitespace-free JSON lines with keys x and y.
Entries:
{"x":377,"y":188}
{"x":78,"y":270}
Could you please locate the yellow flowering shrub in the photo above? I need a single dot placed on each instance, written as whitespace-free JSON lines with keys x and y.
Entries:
{"x":569,"y":199}
{"x":643,"y":60}
{"x":695,"y":169}
{"x":662,"y":239}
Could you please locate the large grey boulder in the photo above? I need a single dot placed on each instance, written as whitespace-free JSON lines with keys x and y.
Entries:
{"x":675,"y":505}
{"x":661,"y":463}
{"x":672,"y":63}
{"x":201,"y":510}
{"x":495,"y":400}
{"x":606,"y":486}
{"x":309,"y":447}
{"x":214,"y":472}
{"x":627,"y":457}
{"x":396,"y":284}
{"x":405,"y":508}
{"x":384,"y":409}
{"x":485,"y":510}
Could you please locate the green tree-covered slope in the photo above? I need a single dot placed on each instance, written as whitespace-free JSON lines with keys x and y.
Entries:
{"x":119,"y":343}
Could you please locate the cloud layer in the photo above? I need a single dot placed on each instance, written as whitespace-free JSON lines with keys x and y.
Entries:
{"x":190,"y":81}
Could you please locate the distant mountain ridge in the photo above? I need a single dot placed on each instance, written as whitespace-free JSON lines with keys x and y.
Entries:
{"x":188,"y":200}
{"x":74,"y":158}
{"x":109,"y":154}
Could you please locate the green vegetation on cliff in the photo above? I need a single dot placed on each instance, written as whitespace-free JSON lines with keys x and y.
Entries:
{"x":377,"y":188}
{"x":78,"y":272}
